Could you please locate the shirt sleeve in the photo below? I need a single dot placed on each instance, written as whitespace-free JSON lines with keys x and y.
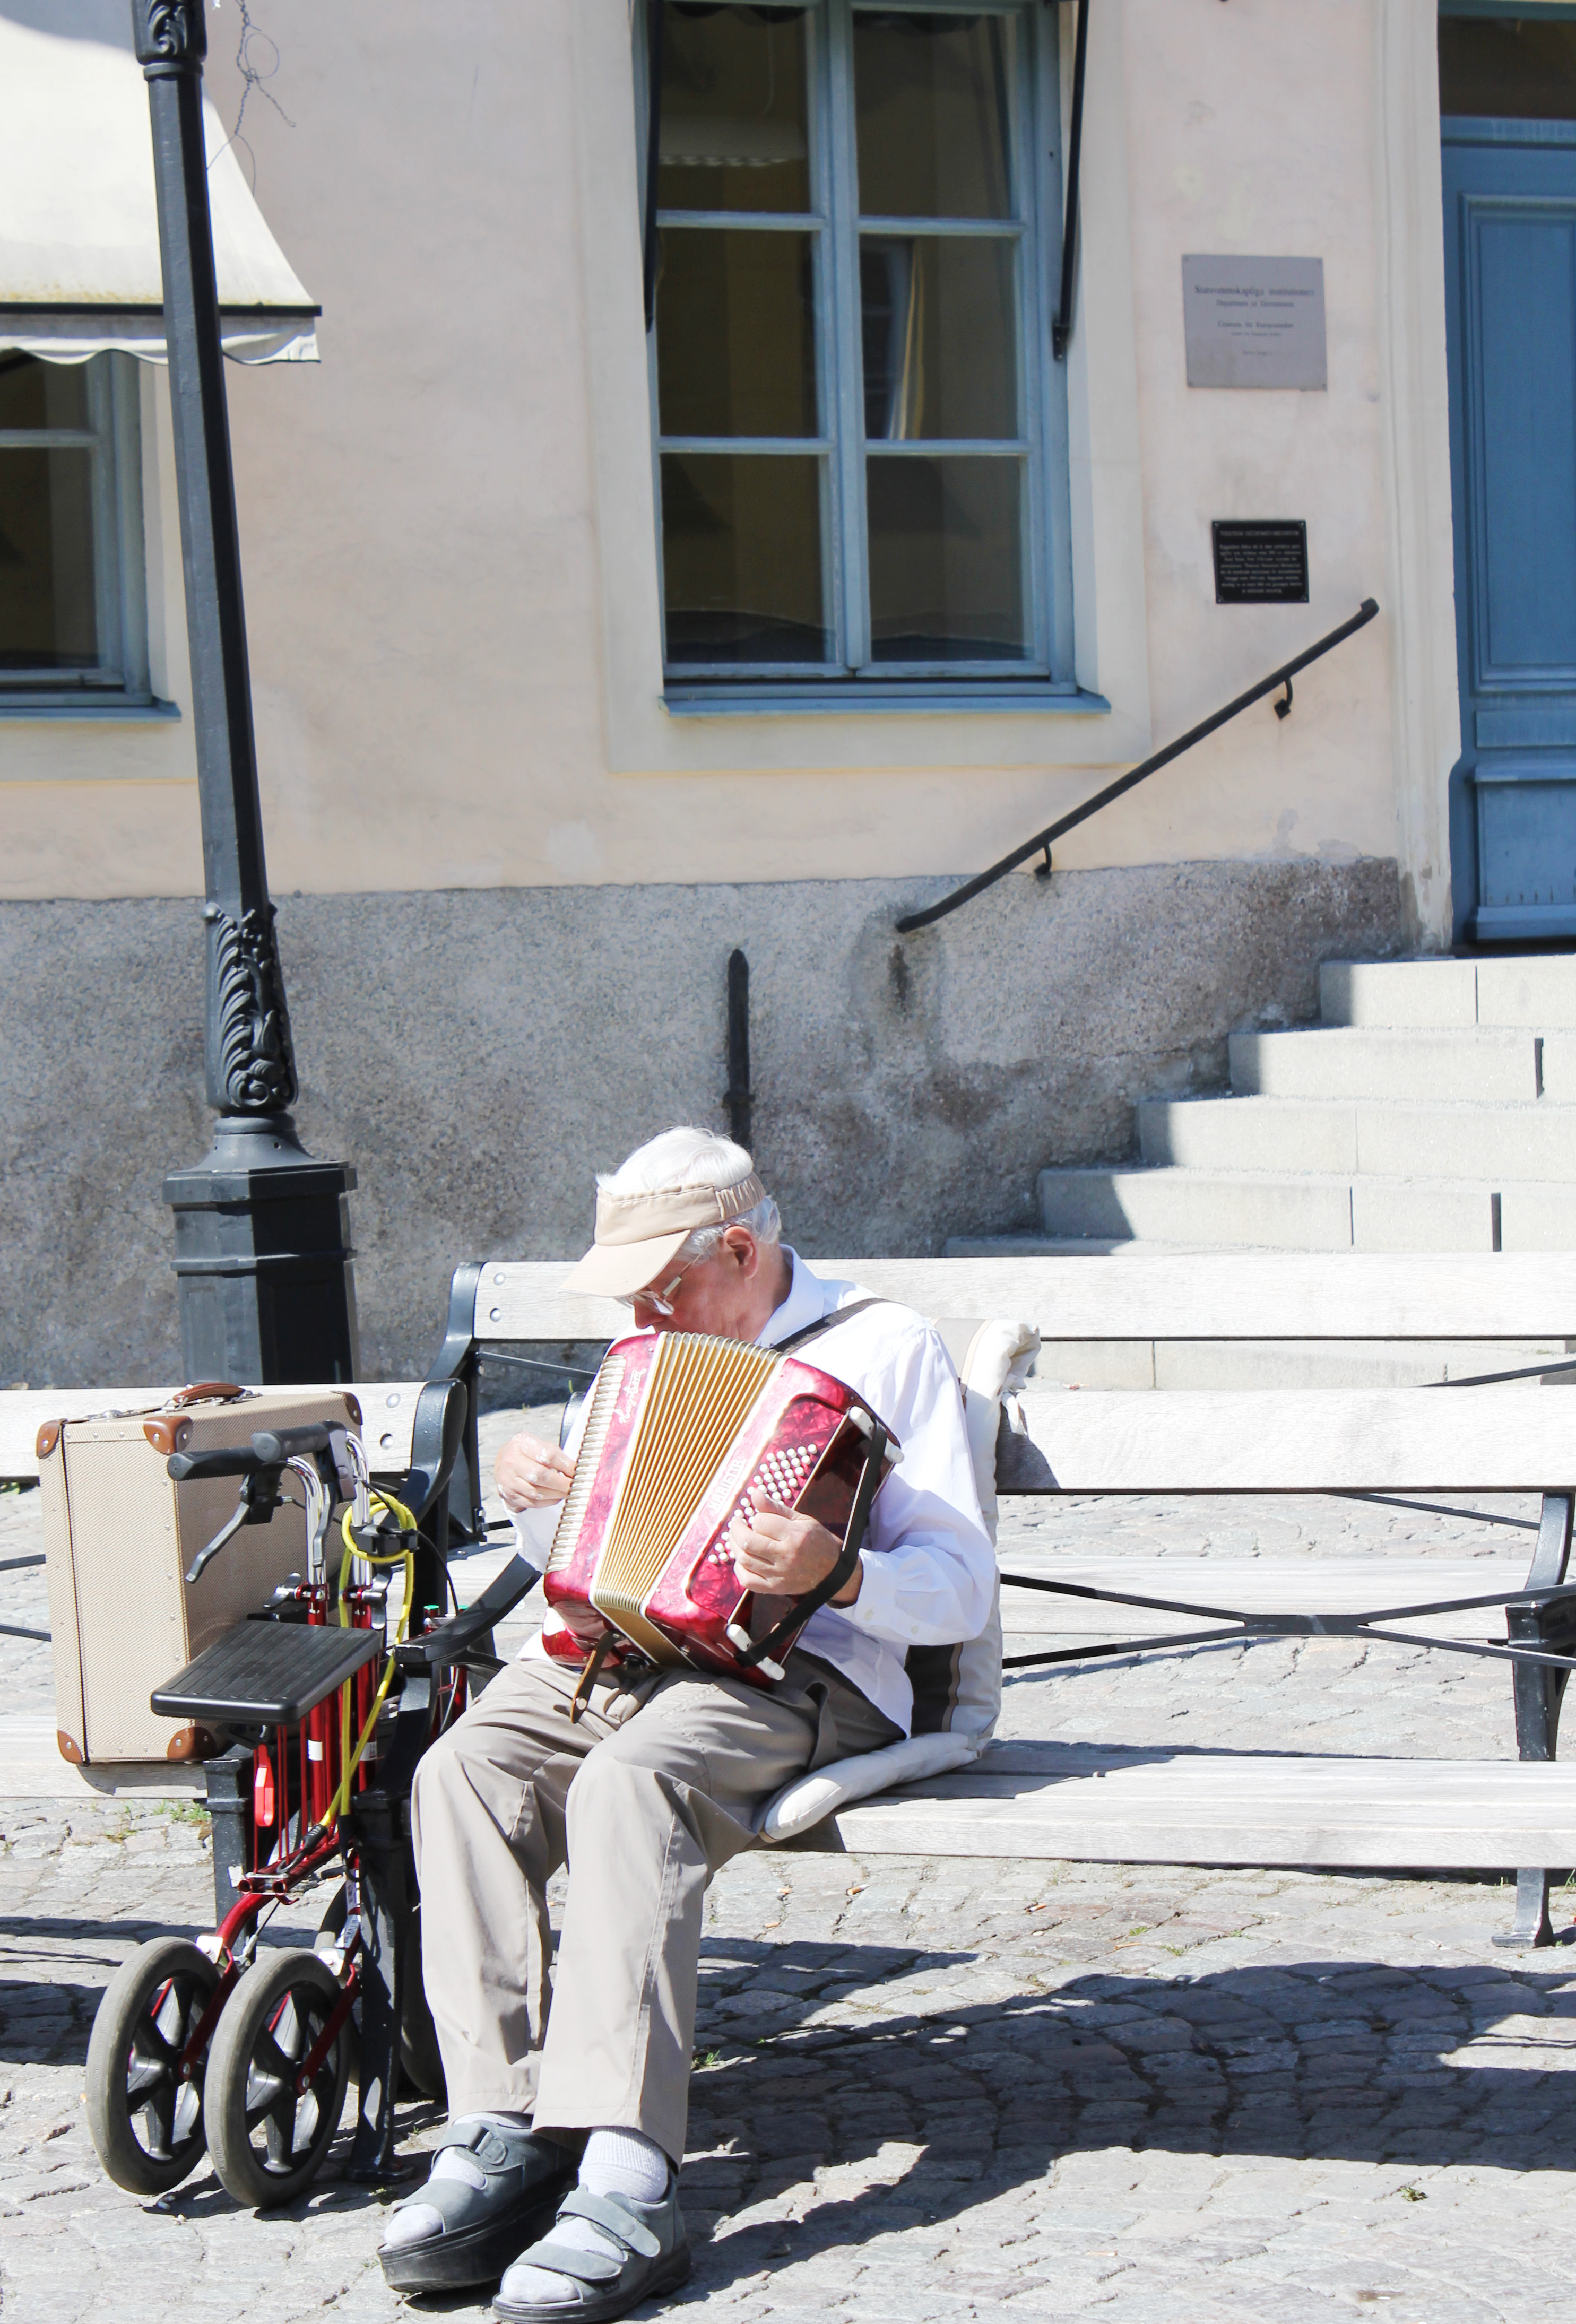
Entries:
{"x":930,"y":1569}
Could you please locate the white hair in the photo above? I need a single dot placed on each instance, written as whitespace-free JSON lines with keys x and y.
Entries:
{"x":694,"y":1157}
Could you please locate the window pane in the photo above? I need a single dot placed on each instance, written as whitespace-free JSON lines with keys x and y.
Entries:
{"x":934,"y":99}
{"x":946,"y":559}
{"x":1518,"y":70}
{"x":940,"y":336}
{"x":733,"y":115}
{"x":736,"y":334}
{"x":34,"y":394}
{"x":48,"y":619}
{"x":741,"y":557}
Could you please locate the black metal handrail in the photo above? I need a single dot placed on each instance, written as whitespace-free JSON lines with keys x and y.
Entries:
{"x":1281,"y":676}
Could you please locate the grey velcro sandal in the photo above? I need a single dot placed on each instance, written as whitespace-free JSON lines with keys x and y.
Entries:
{"x":650,"y":2256}
{"x":524,"y":2179}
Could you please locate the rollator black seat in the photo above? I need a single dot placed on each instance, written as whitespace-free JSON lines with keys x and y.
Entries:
{"x":266,"y":1674}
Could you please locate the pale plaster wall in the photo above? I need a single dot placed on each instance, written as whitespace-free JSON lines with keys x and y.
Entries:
{"x":425,"y":575}
{"x":476,"y":1056}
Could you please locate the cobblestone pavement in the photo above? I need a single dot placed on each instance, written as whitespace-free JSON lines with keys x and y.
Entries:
{"x":945,"y":2088}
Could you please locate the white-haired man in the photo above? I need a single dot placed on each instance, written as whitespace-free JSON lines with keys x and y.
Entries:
{"x":582,"y":2111}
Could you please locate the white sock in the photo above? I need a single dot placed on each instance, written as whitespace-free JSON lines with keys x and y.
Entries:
{"x":413,"y":2223}
{"x":615,"y":2162}
{"x":623,"y":2163}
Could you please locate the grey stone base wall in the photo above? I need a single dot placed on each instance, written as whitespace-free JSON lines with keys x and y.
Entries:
{"x":477,"y":1055}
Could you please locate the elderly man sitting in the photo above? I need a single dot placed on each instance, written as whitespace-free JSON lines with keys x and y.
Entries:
{"x":581,"y":2110}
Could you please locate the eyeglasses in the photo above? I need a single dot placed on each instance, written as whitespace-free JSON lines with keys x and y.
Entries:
{"x":660,"y":1300}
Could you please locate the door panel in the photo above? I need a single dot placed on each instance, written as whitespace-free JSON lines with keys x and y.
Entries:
{"x":1510,"y":252}
{"x":1523,"y":439}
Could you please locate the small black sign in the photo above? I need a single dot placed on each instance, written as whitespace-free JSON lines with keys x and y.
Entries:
{"x":1261,"y":561}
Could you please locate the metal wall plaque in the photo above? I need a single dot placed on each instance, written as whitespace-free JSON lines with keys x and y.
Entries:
{"x":1260,"y":560}
{"x":1254,"y":322}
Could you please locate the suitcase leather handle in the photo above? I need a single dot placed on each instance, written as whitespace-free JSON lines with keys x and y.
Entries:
{"x":205,"y":1392}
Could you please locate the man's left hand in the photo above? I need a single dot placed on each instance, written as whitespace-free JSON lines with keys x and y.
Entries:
{"x":783,"y":1555}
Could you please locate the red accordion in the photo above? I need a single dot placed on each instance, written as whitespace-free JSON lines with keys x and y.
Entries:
{"x":683,"y":1434}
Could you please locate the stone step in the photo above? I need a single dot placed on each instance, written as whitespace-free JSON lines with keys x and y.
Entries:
{"x":1493,"y":1143}
{"x":1268,"y":1210}
{"x":1536,"y":991}
{"x":1469,"y":1066}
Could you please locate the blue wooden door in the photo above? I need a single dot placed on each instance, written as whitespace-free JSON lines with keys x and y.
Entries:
{"x":1510,"y":280}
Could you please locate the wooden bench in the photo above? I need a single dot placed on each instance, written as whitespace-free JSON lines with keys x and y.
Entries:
{"x":1163,"y":1320}
{"x":1151,"y":1321}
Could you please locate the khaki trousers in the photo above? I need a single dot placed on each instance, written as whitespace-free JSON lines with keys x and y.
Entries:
{"x":645,"y":1797}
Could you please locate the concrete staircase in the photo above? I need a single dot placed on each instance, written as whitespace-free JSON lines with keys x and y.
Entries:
{"x":1434,"y":1109}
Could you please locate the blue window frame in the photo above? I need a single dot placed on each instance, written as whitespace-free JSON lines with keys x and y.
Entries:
{"x":73,"y":623}
{"x":861,"y":435}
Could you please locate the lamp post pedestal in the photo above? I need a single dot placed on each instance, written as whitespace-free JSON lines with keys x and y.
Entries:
{"x":263,"y":1258}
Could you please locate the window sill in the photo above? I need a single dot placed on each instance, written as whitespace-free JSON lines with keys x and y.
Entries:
{"x":681,"y":701}
{"x":117,"y":710}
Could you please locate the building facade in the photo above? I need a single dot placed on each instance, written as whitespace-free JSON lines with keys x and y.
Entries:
{"x":585,"y":653}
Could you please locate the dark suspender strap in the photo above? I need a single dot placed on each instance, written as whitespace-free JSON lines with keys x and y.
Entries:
{"x":828,"y":1323}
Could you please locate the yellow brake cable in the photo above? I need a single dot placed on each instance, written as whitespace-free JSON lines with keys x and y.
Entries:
{"x":350,"y":1760}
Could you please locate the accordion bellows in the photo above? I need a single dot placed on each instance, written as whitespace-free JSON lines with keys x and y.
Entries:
{"x":683,"y":1434}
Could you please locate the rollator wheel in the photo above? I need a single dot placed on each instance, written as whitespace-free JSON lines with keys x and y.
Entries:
{"x":147,"y":2123}
{"x":268,"y":2139}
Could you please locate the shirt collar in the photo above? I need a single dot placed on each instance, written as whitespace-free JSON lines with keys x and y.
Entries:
{"x":808,"y":1299}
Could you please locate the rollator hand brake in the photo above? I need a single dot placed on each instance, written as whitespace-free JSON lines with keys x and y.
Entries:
{"x":259,"y":1497}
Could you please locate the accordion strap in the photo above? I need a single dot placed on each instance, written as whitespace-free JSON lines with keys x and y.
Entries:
{"x":766,"y":1649}
{"x":801,"y":1338}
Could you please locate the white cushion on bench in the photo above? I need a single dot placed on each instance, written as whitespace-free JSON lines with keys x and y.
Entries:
{"x":807,"y":1799}
{"x":994,"y":1359}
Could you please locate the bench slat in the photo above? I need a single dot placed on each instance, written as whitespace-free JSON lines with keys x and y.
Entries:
{"x":388,"y":1412}
{"x":1193,"y":1295}
{"x":1286,"y":1441}
{"x":1104,"y":1804}
{"x":1094,"y":1805}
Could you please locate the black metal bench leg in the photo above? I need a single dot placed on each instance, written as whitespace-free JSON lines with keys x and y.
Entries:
{"x":229,"y":1805}
{"x":380,"y":1823}
{"x":1532,"y":1926}
{"x":385,"y":1915}
{"x":1539,"y":1695}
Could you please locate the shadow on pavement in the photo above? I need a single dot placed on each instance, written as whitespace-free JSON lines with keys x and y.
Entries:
{"x":932,"y":2116}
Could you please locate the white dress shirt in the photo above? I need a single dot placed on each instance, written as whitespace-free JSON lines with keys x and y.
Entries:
{"x":929,"y":1571}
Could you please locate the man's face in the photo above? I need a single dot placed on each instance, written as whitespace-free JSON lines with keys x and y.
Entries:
{"x":720,"y":1294}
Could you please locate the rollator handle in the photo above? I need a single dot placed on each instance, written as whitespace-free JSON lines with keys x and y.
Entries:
{"x":225,"y":1461}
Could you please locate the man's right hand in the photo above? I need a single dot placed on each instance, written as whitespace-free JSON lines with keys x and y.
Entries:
{"x":532,"y":1475}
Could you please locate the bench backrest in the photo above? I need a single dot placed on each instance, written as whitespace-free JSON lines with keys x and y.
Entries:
{"x":1190,"y":1295}
{"x":1112,"y":1441}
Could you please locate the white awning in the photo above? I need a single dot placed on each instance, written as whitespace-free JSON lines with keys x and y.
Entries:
{"x":80,"y":269}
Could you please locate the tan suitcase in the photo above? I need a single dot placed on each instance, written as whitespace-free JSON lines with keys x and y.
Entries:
{"x":119,"y":1535}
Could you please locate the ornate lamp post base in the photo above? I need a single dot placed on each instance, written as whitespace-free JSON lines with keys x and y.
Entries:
{"x":262,"y":1256}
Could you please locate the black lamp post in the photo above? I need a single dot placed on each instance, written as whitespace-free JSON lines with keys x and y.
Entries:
{"x":263,"y":1253}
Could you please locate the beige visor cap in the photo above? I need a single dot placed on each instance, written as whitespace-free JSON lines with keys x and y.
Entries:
{"x":638,"y":1234}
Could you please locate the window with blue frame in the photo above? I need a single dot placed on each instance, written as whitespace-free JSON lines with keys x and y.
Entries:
{"x":73,"y":627}
{"x":860,"y":430}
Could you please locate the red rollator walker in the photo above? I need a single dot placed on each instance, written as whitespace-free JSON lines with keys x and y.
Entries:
{"x":222,"y":2045}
